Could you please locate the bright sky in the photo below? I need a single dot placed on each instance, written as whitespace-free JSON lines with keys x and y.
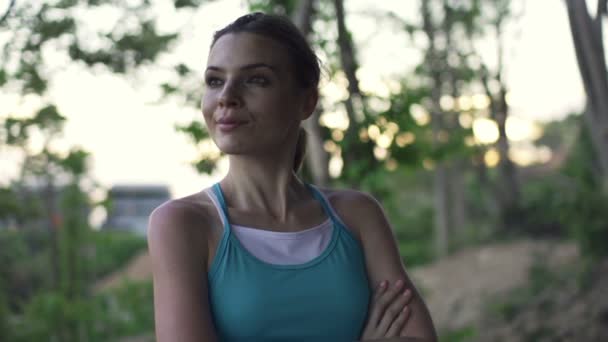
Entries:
{"x":133,"y":140}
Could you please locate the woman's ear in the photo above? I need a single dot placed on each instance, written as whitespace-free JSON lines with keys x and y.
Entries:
{"x":310,"y":103}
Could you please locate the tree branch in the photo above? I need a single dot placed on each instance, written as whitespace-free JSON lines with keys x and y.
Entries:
{"x":8,"y":11}
{"x":601,"y":9}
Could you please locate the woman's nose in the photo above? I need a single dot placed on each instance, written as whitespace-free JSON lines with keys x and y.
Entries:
{"x":230,"y":96}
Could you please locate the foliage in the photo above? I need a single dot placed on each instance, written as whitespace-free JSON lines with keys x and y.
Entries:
{"x":113,"y":249}
{"x":9,"y":204}
{"x":37,"y":312}
{"x":197,"y":133}
{"x":125,"y":311}
{"x":24,"y":270}
{"x":540,"y":278}
{"x":409,"y":211}
{"x":284,"y":7}
{"x":539,"y":207}
{"x":467,"y":333}
{"x":5,"y":331}
{"x":570,"y":202}
{"x":132,"y":42}
{"x":416,"y":238}
{"x":24,"y":259}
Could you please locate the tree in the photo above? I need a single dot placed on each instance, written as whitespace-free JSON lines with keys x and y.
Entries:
{"x":449,"y":74}
{"x":44,"y":173}
{"x":506,"y":189}
{"x":39,"y":27}
{"x":590,"y":54}
{"x":316,"y":158}
{"x":358,"y":156}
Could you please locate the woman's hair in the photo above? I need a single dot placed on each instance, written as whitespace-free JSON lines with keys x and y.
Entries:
{"x":304,"y":61}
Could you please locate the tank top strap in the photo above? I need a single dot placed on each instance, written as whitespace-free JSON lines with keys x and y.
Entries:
{"x":329,"y":210}
{"x":216,"y":196}
{"x":220,"y":202}
{"x":325,"y":203}
{"x":221,"y":205}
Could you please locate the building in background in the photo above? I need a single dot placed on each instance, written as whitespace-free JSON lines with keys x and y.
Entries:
{"x":131,"y":205}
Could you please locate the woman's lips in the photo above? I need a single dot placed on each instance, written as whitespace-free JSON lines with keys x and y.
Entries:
{"x":228,"y":126}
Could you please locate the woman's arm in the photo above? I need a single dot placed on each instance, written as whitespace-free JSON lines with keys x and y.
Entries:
{"x":178,"y":251}
{"x":366,"y":217}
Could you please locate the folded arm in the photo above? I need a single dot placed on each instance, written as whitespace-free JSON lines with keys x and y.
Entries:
{"x":367,"y":219}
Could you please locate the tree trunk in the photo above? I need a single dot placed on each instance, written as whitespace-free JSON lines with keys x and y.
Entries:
{"x":53,"y":229}
{"x":456,"y":168}
{"x":303,"y":16}
{"x":349,"y":65}
{"x":506,"y":190}
{"x":8,"y":11}
{"x":441,"y":174}
{"x":317,"y":160}
{"x":442,"y":217}
{"x":458,"y":199}
{"x":361,"y":155}
{"x":508,"y":170}
{"x":588,"y":45}
{"x":316,"y":156}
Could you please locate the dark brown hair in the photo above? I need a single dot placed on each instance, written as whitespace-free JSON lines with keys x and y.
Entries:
{"x":304,"y":61}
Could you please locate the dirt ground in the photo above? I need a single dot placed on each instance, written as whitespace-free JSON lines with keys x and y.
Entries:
{"x":456,"y":288}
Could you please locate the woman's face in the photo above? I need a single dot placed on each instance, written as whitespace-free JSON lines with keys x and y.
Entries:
{"x":251,"y":102}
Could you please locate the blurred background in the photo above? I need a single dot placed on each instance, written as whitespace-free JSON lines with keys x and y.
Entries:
{"x":481,"y":127}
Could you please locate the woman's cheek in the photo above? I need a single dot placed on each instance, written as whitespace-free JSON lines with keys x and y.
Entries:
{"x":207,"y":110}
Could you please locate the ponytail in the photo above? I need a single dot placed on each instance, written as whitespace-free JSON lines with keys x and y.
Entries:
{"x":300,"y":150}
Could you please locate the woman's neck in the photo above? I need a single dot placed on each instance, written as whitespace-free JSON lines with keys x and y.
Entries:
{"x":256,"y":184}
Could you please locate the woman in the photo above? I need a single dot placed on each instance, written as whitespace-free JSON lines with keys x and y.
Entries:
{"x":240,"y":260}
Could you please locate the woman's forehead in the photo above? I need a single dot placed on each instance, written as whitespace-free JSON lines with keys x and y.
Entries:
{"x":235,"y":50}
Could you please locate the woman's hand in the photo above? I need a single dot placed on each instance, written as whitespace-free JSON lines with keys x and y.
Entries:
{"x":388,"y":312}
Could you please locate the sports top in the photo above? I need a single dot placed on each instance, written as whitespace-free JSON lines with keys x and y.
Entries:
{"x":324,"y":298}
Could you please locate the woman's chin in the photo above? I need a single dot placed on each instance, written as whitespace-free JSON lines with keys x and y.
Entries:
{"x":233,"y":149}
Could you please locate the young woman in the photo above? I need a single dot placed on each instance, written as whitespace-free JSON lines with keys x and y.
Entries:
{"x":262,"y":255}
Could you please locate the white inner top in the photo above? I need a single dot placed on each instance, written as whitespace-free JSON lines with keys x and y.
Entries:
{"x":282,"y":248}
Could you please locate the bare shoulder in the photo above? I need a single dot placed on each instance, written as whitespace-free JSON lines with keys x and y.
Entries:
{"x":350,"y":198}
{"x":181,"y":226}
{"x":178,"y":233}
{"x":357,"y":209}
{"x":183,"y":211}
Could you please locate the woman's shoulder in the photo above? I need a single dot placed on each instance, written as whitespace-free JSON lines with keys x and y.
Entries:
{"x":349,"y":199}
{"x":355,"y":208}
{"x":185,"y":210}
{"x":188,"y":219}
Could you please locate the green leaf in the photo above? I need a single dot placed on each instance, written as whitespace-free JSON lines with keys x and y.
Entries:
{"x":187,"y":3}
{"x":48,"y":117}
{"x":195,"y":130}
{"x":76,"y":162}
{"x":3,"y":77}
{"x":205,"y":165}
{"x":182,"y":69}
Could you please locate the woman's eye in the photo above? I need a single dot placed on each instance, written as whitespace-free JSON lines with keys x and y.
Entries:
{"x":259,"y":80}
{"x":213,"y":82}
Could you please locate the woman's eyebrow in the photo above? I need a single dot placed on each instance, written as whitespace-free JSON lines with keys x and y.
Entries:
{"x":246,"y":67}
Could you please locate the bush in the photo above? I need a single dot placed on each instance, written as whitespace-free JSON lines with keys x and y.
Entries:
{"x":113,"y":249}
{"x":415,"y":237}
{"x":30,"y":310}
{"x":124,"y":311}
{"x":467,"y":333}
{"x":586,"y":202}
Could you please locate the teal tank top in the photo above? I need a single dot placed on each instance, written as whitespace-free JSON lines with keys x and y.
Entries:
{"x":323,"y":299}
